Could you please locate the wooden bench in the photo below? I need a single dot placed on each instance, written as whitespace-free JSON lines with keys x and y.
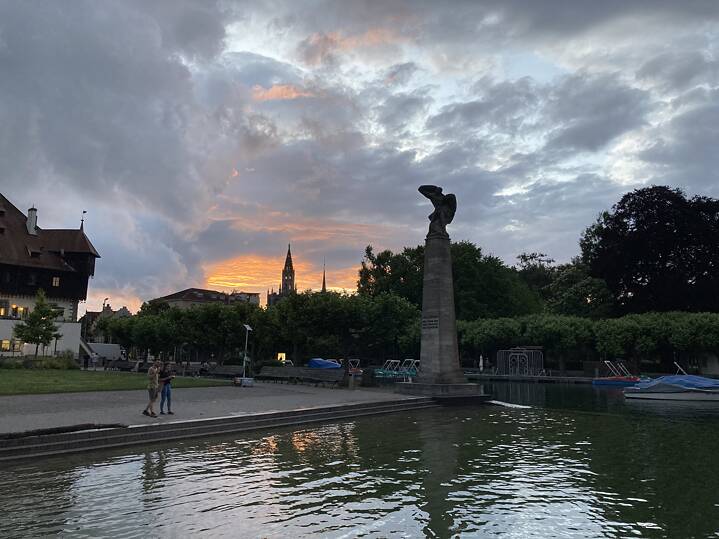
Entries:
{"x":226,"y":371}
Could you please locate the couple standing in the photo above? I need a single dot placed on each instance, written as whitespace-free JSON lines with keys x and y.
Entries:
{"x":159,"y":374}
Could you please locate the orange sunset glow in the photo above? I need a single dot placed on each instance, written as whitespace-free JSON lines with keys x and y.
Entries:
{"x":278,"y":92}
{"x":256,"y":273}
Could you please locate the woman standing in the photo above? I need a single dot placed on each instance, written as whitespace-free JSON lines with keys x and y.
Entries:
{"x":166,"y":377}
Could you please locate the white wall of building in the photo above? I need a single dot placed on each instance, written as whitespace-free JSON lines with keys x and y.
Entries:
{"x":70,"y":338}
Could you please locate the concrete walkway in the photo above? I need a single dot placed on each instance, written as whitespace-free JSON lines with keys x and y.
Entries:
{"x":29,"y":412}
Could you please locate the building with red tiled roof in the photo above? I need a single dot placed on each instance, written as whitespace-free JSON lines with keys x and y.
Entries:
{"x":58,"y":261}
{"x":184,"y":299}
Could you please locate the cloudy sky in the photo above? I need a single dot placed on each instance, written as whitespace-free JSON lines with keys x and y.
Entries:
{"x":202,"y":137}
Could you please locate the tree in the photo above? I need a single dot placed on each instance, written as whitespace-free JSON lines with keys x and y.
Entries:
{"x":573,"y":292}
{"x":483,"y":285}
{"x":39,"y":327}
{"x":537,"y":271}
{"x":390,"y":273}
{"x":657,"y":250}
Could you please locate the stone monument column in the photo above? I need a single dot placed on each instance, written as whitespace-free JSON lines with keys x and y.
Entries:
{"x":439,"y":356}
{"x":440,"y":373}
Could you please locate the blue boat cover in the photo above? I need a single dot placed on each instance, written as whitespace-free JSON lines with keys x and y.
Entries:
{"x":688,"y":381}
{"x":319,"y":363}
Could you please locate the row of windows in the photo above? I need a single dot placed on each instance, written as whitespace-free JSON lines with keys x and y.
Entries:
{"x":31,"y":279}
{"x":10,"y":345}
{"x":12,"y":311}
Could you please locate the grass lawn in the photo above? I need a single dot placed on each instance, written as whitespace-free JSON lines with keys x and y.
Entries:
{"x":31,"y":381}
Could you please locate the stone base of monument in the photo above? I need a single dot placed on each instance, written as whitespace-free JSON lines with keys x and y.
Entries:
{"x":445,"y":393}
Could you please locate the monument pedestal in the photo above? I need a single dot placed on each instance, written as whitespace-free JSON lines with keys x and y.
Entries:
{"x":440,"y":373}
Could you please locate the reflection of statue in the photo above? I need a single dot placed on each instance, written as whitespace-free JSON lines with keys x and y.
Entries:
{"x":444,"y":208}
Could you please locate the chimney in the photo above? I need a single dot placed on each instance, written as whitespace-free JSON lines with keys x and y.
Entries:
{"x":32,"y":221}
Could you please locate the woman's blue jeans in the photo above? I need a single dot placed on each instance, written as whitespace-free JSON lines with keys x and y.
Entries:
{"x":166,"y":395}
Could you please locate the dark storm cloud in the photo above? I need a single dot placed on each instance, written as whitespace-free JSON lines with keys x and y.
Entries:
{"x":401,"y":109}
{"x":92,"y":94}
{"x":680,"y":69}
{"x":685,"y":153}
{"x":504,"y":105}
{"x":189,"y":148}
{"x":585,"y":113}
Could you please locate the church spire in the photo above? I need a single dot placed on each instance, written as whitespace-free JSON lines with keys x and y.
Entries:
{"x":288,"y":259}
{"x":288,"y":275}
{"x":324,"y":272}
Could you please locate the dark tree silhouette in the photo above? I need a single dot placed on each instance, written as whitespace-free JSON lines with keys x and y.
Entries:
{"x":657,"y":250}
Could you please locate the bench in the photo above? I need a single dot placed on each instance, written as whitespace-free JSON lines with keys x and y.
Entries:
{"x":226,"y":371}
{"x":120,"y":365}
{"x":302,"y":374}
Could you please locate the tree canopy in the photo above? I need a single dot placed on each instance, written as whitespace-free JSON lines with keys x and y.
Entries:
{"x":483,"y":285}
{"x":657,"y":250}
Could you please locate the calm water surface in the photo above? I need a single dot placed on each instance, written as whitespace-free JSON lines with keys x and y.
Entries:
{"x":579,"y":463}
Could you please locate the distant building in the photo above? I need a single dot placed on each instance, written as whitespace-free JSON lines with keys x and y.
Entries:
{"x":190,"y":297}
{"x":287,"y":284}
{"x":59,"y":261}
{"x":90,"y":320}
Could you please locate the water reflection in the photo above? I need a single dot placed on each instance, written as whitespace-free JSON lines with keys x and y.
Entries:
{"x":581,"y":471}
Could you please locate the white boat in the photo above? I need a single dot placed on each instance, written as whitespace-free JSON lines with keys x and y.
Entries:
{"x":678,"y":387}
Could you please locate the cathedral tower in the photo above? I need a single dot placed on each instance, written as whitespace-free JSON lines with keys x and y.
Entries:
{"x":288,"y":275}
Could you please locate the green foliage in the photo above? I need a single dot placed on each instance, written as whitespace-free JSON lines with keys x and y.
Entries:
{"x":573,"y":292}
{"x":65,"y":361}
{"x":537,"y":271}
{"x":483,"y":285}
{"x":39,"y":327}
{"x":657,"y":250}
{"x":658,"y":338}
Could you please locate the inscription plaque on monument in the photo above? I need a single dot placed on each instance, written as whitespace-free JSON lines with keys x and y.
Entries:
{"x":430,"y":323}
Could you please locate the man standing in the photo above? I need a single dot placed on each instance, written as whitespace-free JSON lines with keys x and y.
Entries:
{"x":166,"y":377}
{"x":153,"y":384}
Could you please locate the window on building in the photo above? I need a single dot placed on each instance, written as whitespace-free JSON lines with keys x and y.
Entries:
{"x":17,"y":346}
{"x":4,"y":308}
{"x":56,"y":281}
{"x":32,"y":279}
{"x":4,"y":345}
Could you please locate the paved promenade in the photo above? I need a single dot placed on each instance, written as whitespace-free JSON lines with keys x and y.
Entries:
{"x":29,"y":412}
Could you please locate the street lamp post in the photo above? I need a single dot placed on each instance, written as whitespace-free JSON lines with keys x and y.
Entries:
{"x":244,"y":358}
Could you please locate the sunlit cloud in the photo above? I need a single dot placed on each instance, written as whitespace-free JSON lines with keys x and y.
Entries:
{"x":116,"y":298}
{"x":279,"y":92}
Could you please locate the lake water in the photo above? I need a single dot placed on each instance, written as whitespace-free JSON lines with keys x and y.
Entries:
{"x":580,"y":462}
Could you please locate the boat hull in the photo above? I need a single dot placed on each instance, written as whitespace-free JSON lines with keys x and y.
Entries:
{"x":616,"y":381}
{"x":678,"y":396}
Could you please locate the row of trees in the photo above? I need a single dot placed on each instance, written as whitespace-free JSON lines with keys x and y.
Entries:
{"x":303,"y":325}
{"x":656,"y":338}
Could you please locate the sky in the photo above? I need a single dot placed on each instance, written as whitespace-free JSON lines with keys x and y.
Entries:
{"x":203,"y":137}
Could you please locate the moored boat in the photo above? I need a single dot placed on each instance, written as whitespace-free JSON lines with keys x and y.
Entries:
{"x":621,"y":381}
{"x":684,"y":387}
